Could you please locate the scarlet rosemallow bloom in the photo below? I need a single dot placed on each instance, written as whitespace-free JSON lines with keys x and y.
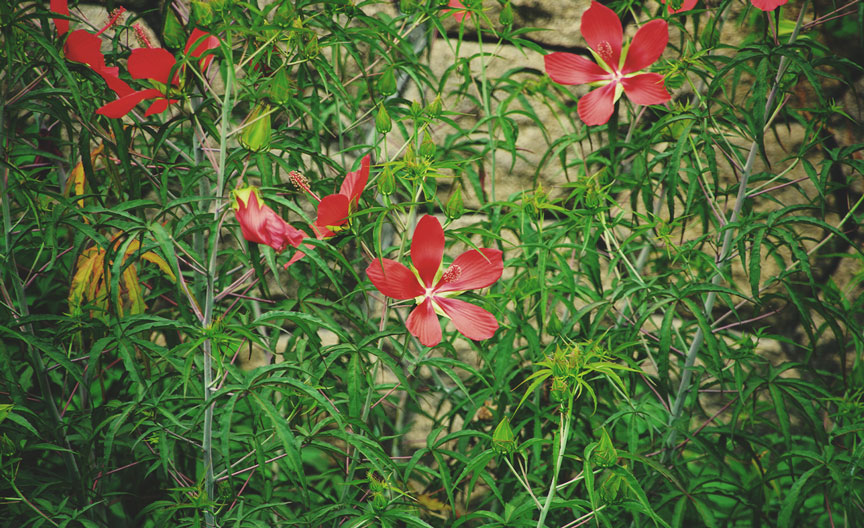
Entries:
{"x":686,"y":5}
{"x":260,"y":224}
{"x":615,"y":72}
{"x":156,"y":64}
{"x":334,"y":209}
{"x":461,"y":12}
{"x":768,"y":5}
{"x":433,"y":288}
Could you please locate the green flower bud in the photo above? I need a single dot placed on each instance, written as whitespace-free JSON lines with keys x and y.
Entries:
{"x":503,"y":440}
{"x":427,"y":147}
{"x":382,"y":120}
{"x":506,"y":15}
{"x":416,"y":110}
{"x":407,"y":6}
{"x":604,"y":454}
{"x":256,"y":134}
{"x":410,"y":155}
{"x":433,"y":109}
{"x":172,"y":31}
{"x":387,"y":181}
{"x":310,"y":50}
{"x":284,"y":15}
{"x":387,"y":82}
{"x":281,"y":87}
{"x":455,"y":207}
{"x":611,"y":487}
{"x":202,"y":13}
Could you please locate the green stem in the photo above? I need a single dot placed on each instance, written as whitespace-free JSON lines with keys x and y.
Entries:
{"x":723,"y":256}
{"x":564,"y":433}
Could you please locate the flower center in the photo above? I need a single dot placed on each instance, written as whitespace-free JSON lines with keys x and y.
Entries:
{"x":604,"y":49}
{"x":451,"y":274}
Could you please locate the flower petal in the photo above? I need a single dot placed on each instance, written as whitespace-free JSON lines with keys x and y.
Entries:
{"x":158,"y":106}
{"x":596,"y":107}
{"x":473,"y":270}
{"x":686,"y":5}
{"x":472,"y":321}
{"x":602,"y":30}
{"x":262,"y":225}
{"x":119,"y":86}
{"x":427,"y":248}
{"x":764,"y":5}
{"x":423,"y":324}
{"x":460,"y":11}
{"x":207,"y":42}
{"x":569,"y":68}
{"x":393,"y":279}
{"x":332,"y":213}
{"x":647,"y":46}
{"x":122,"y":106}
{"x":83,"y":46}
{"x":355,"y":182}
{"x":646,"y":89}
{"x":60,"y":7}
{"x":151,"y":63}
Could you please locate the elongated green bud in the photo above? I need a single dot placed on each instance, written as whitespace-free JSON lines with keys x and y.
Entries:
{"x":407,"y":6}
{"x":604,"y":454}
{"x":503,"y":440}
{"x":202,"y":13}
{"x":455,"y":206}
{"x":387,"y":82}
{"x":281,"y":87}
{"x":256,"y":134}
{"x":387,"y":181}
{"x":427,"y":147}
{"x":172,"y":31}
{"x":433,"y":109}
{"x":382,"y":120}
{"x":506,"y":15}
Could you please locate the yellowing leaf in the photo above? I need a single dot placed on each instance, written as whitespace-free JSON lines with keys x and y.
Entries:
{"x":76,"y":180}
{"x":431,"y":503}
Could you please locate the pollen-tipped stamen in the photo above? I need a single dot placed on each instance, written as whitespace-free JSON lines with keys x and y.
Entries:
{"x":302,"y":182}
{"x":115,"y":16}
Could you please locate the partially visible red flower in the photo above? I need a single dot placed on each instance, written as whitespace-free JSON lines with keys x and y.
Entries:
{"x":334,"y":209}
{"x":460,"y":11}
{"x":768,"y":5}
{"x":433,"y":288}
{"x":260,"y":224}
{"x":686,"y":5}
{"x":156,"y":64}
{"x":616,"y":72}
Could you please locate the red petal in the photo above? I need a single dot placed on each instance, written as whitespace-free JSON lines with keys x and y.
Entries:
{"x":602,"y":30}
{"x":423,"y":324}
{"x":125,"y":104}
{"x":83,"y":46}
{"x":568,"y":68}
{"x":332,"y":212}
{"x":393,"y":279}
{"x":460,"y":11}
{"x":427,"y":248}
{"x":296,"y":256}
{"x":646,"y":89}
{"x":472,"y":321}
{"x":766,"y":5}
{"x":596,"y":107}
{"x":207,"y":42}
{"x":647,"y":46}
{"x":110,"y":75}
{"x":151,"y":63}
{"x":686,"y":5}
{"x":260,"y":224}
{"x":476,"y":269}
{"x":355,"y":182}
{"x":60,"y":7}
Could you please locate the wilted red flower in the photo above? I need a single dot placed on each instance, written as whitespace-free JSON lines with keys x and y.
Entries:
{"x":433,"y":288}
{"x":686,"y":5}
{"x":156,"y":64}
{"x":334,"y":209}
{"x":768,"y":5}
{"x":460,"y":11}
{"x":615,"y":72}
{"x":260,"y":224}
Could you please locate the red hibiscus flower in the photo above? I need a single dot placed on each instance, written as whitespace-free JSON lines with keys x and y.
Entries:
{"x":334,"y":209}
{"x":686,"y":5}
{"x":260,"y":224}
{"x":460,"y":11}
{"x":615,"y":72}
{"x":768,"y":5}
{"x":156,"y":64}
{"x":434,"y":289}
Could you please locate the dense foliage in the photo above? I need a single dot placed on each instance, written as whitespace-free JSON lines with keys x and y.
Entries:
{"x":365,"y":263}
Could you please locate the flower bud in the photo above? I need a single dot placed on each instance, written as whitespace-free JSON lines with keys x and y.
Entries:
{"x":410,"y":155}
{"x":611,"y":487}
{"x":604,"y":454}
{"x":202,"y":13}
{"x":281,"y":87}
{"x":503,"y":440}
{"x":433,"y":109}
{"x":382,"y":120}
{"x":455,"y":207}
{"x":284,"y":15}
{"x":387,"y":181}
{"x":427,"y":147}
{"x":407,"y":6}
{"x":256,"y":134}
{"x":310,"y":49}
{"x":416,"y":110}
{"x":506,"y":15}
{"x":387,"y":82}
{"x":172,"y":31}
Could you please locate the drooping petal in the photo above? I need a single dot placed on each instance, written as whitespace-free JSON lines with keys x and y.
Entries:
{"x":472,"y":321}
{"x":647,"y":46}
{"x":262,"y":225}
{"x":207,"y":42}
{"x":119,"y":86}
{"x":355,"y":182}
{"x":151,"y":63}
{"x":423,"y":324}
{"x":603,"y":33}
{"x":645,"y":89}
{"x":122,"y":106}
{"x":472,"y":270}
{"x":332,"y":213}
{"x":427,"y":248}
{"x":596,"y":107}
{"x":686,"y":5}
{"x":766,"y":5}
{"x":569,"y":68}
{"x":459,"y":8}
{"x":393,"y":279}
{"x":60,"y":7}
